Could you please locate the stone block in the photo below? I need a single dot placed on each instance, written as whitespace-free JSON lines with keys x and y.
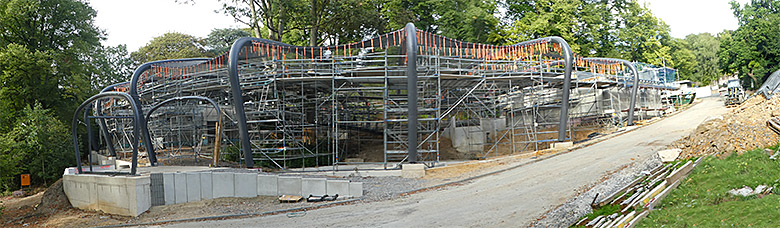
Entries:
{"x":314,"y":186}
{"x":267,"y":185}
{"x":355,"y":189}
{"x":168,"y":188}
{"x":288,"y":185}
{"x":222,"y":184}
{"x":245,"y":184}
{"x":205,"y":186}
{"x":193,"y":187}
{"x":340,"y":187}
{"x":669,"y":155}
{"x":413,"y":170}
{"x":180,"y":187}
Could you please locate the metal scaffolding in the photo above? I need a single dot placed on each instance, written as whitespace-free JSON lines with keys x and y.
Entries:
{"x":293,"y":106}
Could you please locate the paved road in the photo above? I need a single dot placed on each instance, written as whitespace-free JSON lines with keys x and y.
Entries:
{"x":513,"y":198}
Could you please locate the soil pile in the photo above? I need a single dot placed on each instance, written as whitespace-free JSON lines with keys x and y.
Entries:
{"x":743,"y":128}
{"x":53,"y":200}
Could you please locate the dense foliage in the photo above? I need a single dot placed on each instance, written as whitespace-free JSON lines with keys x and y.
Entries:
{"x":753,"y":50}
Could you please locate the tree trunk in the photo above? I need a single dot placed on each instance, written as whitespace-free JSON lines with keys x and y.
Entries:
{"x":253,"y":21}
{"x":315,"y":24}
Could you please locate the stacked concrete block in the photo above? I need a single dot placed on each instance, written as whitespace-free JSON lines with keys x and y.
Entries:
{"x":223,"y":185}
{"x":314,"y":186}
{"x":193,"y":187}
{"x":205,"y":186}
{"x":245,"y":185}
{"x":288,"y":185}
{"x":180,"y":187}
{"x":267,"y":185}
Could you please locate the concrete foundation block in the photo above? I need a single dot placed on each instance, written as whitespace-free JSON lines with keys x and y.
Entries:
{"x":289,"y":185}
{"x":267,"y":185}
{"x":222,"y":184}
{"x":168,"y":188}
{"x":356,"y":189}
{"x":193,"y":187}
{"x":245,"y":184}
{"x":561,"y":145}
{"x":340,"y":187}
{"x":180,"y":187}
{"x":120,"y":195}
{"x":413,"y":170}
{"x":314,"y":186}
{"x":205,"y":186}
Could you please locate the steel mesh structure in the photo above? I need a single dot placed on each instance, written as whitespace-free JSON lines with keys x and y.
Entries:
{"x":397,"y":94}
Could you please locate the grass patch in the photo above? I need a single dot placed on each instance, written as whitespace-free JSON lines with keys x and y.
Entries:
{"x":702,"y":199}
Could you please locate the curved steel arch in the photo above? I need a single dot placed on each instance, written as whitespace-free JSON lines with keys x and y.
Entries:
{"x":136,"y":122}
{"x":218,"y":131}
{"x":133,"y":91}
{"x":634,"y":87}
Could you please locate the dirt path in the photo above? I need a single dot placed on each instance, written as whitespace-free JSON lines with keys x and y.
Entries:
{"x":513,"y":198}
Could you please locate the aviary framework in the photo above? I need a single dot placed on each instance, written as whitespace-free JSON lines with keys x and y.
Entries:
{"x":398,"y":95}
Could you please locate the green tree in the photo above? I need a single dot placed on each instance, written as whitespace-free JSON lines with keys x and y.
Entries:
{"x":542,"y":18}
{"x":220,"y":40}
{"x":682,"y":58}
{"x":467,"y":20}
{"x":705,"y":47}
{"x":110,"y":65}
{"x":753,"y":51}
{"x":47,"y":46}
{"x":38,"y":144}
{"x":170,"y":45}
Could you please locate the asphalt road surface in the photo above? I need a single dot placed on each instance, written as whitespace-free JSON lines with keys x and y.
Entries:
{"x":513,"y":198}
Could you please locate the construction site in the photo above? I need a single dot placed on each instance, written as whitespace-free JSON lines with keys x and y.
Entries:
{"x":269,"y":119}
{"x":287,"y":106}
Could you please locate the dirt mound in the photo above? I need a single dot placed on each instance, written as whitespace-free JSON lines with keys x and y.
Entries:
{"x":743,"y":128}
{"x":53,"y":200}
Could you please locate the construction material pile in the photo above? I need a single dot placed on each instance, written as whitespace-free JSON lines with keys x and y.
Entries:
{"x":743,"y":128}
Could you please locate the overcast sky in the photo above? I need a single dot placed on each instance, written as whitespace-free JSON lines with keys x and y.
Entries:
{"x":136,"y":22}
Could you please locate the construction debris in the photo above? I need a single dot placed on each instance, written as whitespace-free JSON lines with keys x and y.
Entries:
{"x":747,"y":191}
{"x":743,"y":128}
{"x":669,"y":155}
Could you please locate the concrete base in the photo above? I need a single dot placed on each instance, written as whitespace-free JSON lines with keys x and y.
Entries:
{"x":121,"y":195}
{"x":413,"y":170}
{"x":561,"y":145}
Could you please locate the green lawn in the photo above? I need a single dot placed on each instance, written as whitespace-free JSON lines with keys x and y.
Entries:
{"x":702,"y":199}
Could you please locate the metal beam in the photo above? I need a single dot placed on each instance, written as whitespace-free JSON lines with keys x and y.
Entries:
{"x":411,"y":90}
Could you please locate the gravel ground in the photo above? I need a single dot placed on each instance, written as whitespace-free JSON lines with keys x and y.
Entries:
{"x":575,"y":208}
{"x":381,"y":188}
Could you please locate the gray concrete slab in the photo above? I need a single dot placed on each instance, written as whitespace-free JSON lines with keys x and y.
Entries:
{"x":205,"y":186}
{"x":289,"y":185}
{"x":267,"y":185}
{"x":193,"y":187}
{"x":245,"y":184}
{"x":180,"y":187}
{"x":223,"y":185}
{"x":168,"y":185}
{"x":313,"y":186}
{"x":340,"y":187}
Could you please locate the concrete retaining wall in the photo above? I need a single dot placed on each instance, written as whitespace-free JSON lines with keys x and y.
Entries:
{"x":131,"y":195}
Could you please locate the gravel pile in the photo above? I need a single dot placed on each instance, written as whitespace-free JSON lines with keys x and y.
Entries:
{"x":381,"y":188}
{"x":570,"y":212}
{"x":743,"y":128}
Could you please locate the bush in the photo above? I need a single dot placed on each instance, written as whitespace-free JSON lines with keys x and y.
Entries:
{"x":38,"y":144}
